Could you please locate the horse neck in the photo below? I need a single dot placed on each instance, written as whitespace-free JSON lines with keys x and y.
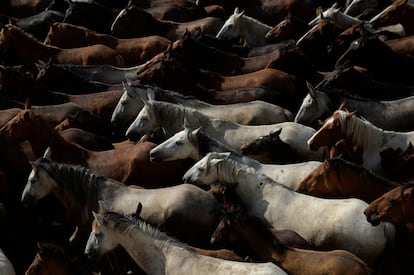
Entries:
{"x":68,"y":152}
{"x":153,"y":254}
{"x":78,"y":193}
{"x":207,"y":144}
{"x":361,"y":133}
{"x":264,"y":248}
{"x":23,"y":42}
{"x":253,"y":31}
{"x":344,"y":20}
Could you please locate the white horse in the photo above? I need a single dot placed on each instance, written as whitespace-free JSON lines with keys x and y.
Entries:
{"x":389,"y":115}
{"x":152,"y":116}
{"x":362,"y":134}
{"x":6,"y":267}
{"x":185,"y":211}
{"x":189,"y":143}
{"x":252,"y":30}
{"x":251,"y":113}
{"x":325,"y":223}
{"x":157,"y":253}
{"x":341,"y":19}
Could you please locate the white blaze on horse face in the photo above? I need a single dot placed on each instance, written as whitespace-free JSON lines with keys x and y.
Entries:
{"x":176,"y":147}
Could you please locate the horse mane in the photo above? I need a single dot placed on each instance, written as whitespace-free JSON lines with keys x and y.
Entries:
{"x":74,"y":179}
{"x":129,"y":224}
{"x":337,"y":161}
{"x":358,"y":129}
{"x":251,"y":19}
{"x":206,"y":144}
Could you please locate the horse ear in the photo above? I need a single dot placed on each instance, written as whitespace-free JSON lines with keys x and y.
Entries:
{"x":127,"y":88}
{"x":351,"y":114}
{"x":139,"y":209}
{"x":150,"y":94}
{"x":27,"y":104}
{"x":103,"y":205}
{"x":342,"y":106}
{"x":311,"y":89}
{"x":98,"y":217}
{"x":196,"y":131}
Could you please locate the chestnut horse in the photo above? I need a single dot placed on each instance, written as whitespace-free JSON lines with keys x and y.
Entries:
{"x":128,"y":164}
{"x":264,"y":245}
{"x":395,"y":206}
{"x":338,"y":178}
{"x":292,"y":27}
{"x":28,"y":50}
{"x":401,"y":11}
{"x":134,"y":51}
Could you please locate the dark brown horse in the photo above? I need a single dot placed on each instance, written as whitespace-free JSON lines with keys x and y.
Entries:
{"x":292,"y":27}
{"x":136,"y":22}
{"x":128,"y":164}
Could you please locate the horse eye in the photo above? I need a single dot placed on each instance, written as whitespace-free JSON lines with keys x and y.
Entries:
{"x":178,"y":142}
{"x":144,"y":118}
{"x":201,"y":169}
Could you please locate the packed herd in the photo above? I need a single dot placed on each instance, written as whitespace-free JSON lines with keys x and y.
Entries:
{"x":206,"y":137}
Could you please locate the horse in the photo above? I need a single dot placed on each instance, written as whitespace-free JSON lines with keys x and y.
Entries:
{"x":6,"y":267}
{"x":339,"y":178}
{"x":380,"y":60}
{"x":271,"y":148}
{"x":129,"y":164}
{"x":86,"y":139}
{"x":268,"y":200}
{"x":104,"y":74}
{"x":361,"y":135}
{"x":134,"y":51}
{"x":174,"y":73}
{"x":79,"y":190}
{"x":265,"y":245}
{"x":52,"y":258}
{"x":344,"y":77}
{"x":159,"y":252}
{"x":400,"y":11}
{"x":195,"y":144}
{"x":314,"y":43}
{"x":292,"y":27}
{"x":248,"y":113}
{"x":388,"y":114}
{"x":395,"y":206}
{"x":226,"y":131}
{"x":130,"y":23}
{"x":222,"y":62}
{"x":29,"y":50}
{"x":340,"y":18}
{"x":365,"y":8}
{"x":249,"y":28}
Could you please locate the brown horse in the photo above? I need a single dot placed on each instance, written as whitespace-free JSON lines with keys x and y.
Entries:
{"x":173,"y":73}
{"x":271,"y":149}
{"x":395,"y":206}
{"x":263,"y":245}
{"x":28,"y":50}
{"x":52,"y":258}
{"x":398,"y":12}
{"x":134,"y":51}
{"x":128,"y":164}
{"x":338,"y":178}
{"x":292,"y":27}
{"x":135,"y":22}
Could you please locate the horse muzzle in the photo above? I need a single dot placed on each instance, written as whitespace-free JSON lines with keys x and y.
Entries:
{"x":28,"y":200}
{"x":373,"y":218}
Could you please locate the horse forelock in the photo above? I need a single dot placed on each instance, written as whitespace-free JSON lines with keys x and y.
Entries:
{"x":130,"y":224}
{"x":74,"y":179}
